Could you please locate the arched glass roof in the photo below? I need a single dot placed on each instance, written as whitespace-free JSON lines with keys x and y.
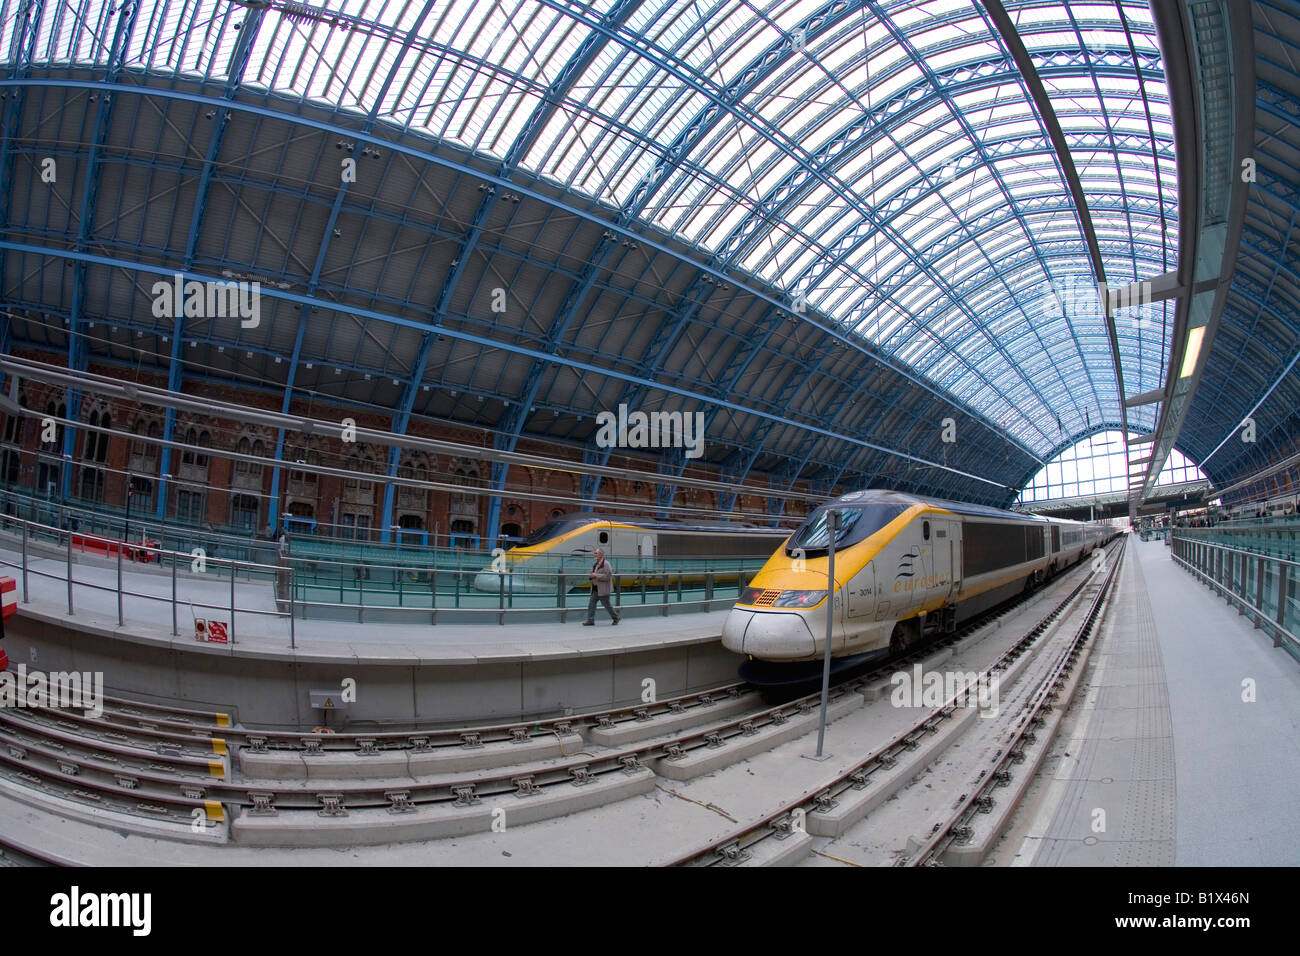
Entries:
{"x":882,"y":162}
{"x":1097,"y":466}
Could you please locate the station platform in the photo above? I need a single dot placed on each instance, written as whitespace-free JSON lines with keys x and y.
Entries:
{"x":407,"y":673}
{"x":258,"y":629}
{"x":1184,"y":750}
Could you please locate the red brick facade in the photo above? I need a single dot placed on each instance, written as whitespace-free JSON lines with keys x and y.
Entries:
{"x":216,"y":490}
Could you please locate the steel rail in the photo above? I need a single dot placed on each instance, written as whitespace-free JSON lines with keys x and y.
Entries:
{"x":779,"y":823}
{"x":957,"y":825}
{"x":418,"y":741}
{"x":154,"y":793}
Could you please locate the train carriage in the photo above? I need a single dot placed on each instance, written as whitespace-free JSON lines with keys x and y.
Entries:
{"x":903,"y":565}
{"x":637,"y":548}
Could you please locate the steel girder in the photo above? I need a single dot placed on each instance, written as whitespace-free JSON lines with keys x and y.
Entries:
{"x":176,"y":371}
{"x":333,"y":130}
{"x":694,"y":133}
{"x":22,"y":46}
{"x":551,"y":101}
{"x":314,"y":282}
{"x":78,"y":353}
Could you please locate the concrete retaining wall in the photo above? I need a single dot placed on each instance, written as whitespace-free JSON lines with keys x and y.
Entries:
{"x":270,"y":689}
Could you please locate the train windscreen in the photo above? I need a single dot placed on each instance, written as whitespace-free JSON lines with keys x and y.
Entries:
{"x":856,"y":524}
{"x":550,"y":530}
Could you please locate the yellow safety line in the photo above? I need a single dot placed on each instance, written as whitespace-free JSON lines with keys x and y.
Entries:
{"x":223,"y":720}
{"x":216,"y":768}
{"x":214,"y":811}
{"x":219,"y":746}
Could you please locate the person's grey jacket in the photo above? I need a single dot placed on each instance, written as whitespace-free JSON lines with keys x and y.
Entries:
{"x":604,"y":576}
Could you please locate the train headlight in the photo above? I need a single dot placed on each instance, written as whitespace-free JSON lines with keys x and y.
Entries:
{"x":799,"y":598}
{"x":750,"y":596}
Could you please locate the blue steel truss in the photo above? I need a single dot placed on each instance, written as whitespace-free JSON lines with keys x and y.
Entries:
{"x":827,"y":226}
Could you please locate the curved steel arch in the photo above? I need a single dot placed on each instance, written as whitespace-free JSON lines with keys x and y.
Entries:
{"x":721,"y":105}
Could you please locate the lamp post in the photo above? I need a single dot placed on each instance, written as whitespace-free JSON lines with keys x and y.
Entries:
{"x":832,"y":527}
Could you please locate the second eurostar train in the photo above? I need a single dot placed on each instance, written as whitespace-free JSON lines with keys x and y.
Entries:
{"x":633,"y":546}
{"x":904,"y":566}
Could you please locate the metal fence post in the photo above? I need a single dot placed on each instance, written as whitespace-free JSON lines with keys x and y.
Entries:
{"x":175,"y":559}
{"x":232,"y":600}
{"x":69,"y":533}
{"x":1283,"y":577}
{"x":1259,"y":590}
{"x":292,"y":637}
{"x":119,"y":585}
{"x":25,"y":599}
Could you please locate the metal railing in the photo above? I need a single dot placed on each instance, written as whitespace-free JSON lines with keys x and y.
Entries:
{"x":450,"y":584}
{"x":1253,"y":568}
{"x":37,"y":542}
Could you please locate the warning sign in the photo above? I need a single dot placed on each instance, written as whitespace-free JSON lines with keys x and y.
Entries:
{"x":215,"y":632}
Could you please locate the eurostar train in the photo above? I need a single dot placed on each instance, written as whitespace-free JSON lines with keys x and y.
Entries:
{"x":904,"y":566}
{"x":633,"y":546}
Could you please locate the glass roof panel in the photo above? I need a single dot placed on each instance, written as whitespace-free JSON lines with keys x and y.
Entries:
{"x":889,"y":162}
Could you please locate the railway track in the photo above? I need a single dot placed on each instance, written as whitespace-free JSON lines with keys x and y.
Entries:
{"x":15,"y":857}
{"x":799,"y":816}
{"x":201,"y":772}
{"x":959,"y":825}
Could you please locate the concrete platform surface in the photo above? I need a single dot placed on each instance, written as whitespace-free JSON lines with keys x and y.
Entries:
{"x":1186,"y":749}
{"x":259,"y":632}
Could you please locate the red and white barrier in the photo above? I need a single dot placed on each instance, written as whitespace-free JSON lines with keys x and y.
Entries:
{"x":9,"y":596}
{"x":109,"y":547}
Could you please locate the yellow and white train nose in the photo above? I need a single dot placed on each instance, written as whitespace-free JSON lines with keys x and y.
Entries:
{"x":770,"y":635}
{"x":491,"y":581}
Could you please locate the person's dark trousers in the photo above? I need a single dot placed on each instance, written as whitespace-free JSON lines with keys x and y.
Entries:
{"x":603,"y":599}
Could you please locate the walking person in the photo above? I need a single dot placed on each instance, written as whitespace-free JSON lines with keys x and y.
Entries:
{"x":601,"y":577}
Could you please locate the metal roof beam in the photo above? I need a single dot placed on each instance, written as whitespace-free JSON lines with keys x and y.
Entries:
{"x":77,"y":350}
{"x":1047,"y":115}
{"x":1210,"y":48}
{"x":176,"y":372}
